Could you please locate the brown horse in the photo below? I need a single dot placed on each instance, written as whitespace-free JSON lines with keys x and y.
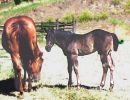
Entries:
{"x":74,"y":45}
{"x":20,"y":41}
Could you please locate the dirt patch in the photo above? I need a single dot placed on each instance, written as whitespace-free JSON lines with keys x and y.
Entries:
{"x":55,"y":75}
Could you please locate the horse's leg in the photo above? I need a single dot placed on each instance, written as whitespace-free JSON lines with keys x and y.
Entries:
{"x":105,"y":69}
{"x":112,"y":67}
{"x":69,"y":71}
{"x":25,"y":66}
{"x":29,"y":83}
{"x":24,"y":80}
{"x":16,"y":78}
{"x":18,"y":66}
{"x":74,"y":59}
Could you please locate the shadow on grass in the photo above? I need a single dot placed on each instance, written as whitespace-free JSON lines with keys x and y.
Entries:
{"x":7,"y":86}
{"x":65,"y":86}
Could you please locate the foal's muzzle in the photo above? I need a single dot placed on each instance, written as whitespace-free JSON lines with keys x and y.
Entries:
{"x":48,"y":49}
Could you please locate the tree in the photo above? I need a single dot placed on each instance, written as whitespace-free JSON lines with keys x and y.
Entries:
{"x":17,"y":2}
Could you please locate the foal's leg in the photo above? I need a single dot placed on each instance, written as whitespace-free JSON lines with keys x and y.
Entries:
{"x":74,"y":59}
{"x":112,"y":67}
{"x":105,"y":69}
{"x":69,"y":71}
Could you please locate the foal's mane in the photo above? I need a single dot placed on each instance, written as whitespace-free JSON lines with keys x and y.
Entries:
{"x":62,"y":32}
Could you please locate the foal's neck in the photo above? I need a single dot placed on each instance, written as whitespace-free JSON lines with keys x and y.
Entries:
{"x":62,"y":38}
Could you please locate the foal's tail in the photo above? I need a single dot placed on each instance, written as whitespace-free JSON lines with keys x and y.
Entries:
{"x":115,"y":41}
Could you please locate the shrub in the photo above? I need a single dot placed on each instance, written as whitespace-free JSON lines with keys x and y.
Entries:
{"x":127,"y":6}
{"x":17,"y":2}
{"x":116,"y":2}
{"x":101,"y":15}
{"x":50,"y":19}
{"x":85,"y":16}
{"x":68,"y":18}
{"x":114,"y":21}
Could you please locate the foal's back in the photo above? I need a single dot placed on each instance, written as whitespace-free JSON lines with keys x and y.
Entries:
{"x":96,"y":40}
{"x":105,"y":41}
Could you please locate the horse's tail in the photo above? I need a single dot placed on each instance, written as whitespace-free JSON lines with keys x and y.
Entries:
{"x":116,"y":41}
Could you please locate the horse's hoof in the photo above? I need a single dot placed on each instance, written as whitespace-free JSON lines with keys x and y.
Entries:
{"x":20,"y":96}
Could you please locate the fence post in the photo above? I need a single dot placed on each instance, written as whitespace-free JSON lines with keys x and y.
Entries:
{"x":42,"y":27}
{"x":57,"y":24}
{"x":74,"y":25}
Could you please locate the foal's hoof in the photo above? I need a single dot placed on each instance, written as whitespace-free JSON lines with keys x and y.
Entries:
{"x":78,"y":88}
{"x":99,"y":88}
{"x":111,"y":88}
{"x":68,"y":87}
{"x":29,"y":90}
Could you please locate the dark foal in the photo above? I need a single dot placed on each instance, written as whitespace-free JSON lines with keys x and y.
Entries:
{"x":74,"y":45}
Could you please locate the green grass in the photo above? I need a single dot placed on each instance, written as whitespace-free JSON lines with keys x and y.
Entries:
{"x":114,"y":21}
{"x":73,"y":94}
{"x":17,"y":10}
{"x":22,"y":9}
{"x":52,"y":1}
{"x":119,"y":22}
{"x":6,"y":74}
{"x":5,"y":5}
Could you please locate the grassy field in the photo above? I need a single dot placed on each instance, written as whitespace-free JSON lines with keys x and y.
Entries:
{"x":10,"y":9}
{"x":87,"y":20}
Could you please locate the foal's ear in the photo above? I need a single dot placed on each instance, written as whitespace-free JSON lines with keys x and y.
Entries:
{"x":48,"y":30}
{"x":45,"y":30}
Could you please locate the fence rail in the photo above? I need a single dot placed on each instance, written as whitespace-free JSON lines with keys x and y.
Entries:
{"x":1,"y":27}
{"x":55,"y":25}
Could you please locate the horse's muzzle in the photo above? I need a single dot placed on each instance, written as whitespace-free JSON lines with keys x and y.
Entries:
{"x":36,"y":78}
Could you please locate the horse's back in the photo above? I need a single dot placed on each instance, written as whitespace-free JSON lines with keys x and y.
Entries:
{"x":17,"y":31}
{"x":18,"y":23}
